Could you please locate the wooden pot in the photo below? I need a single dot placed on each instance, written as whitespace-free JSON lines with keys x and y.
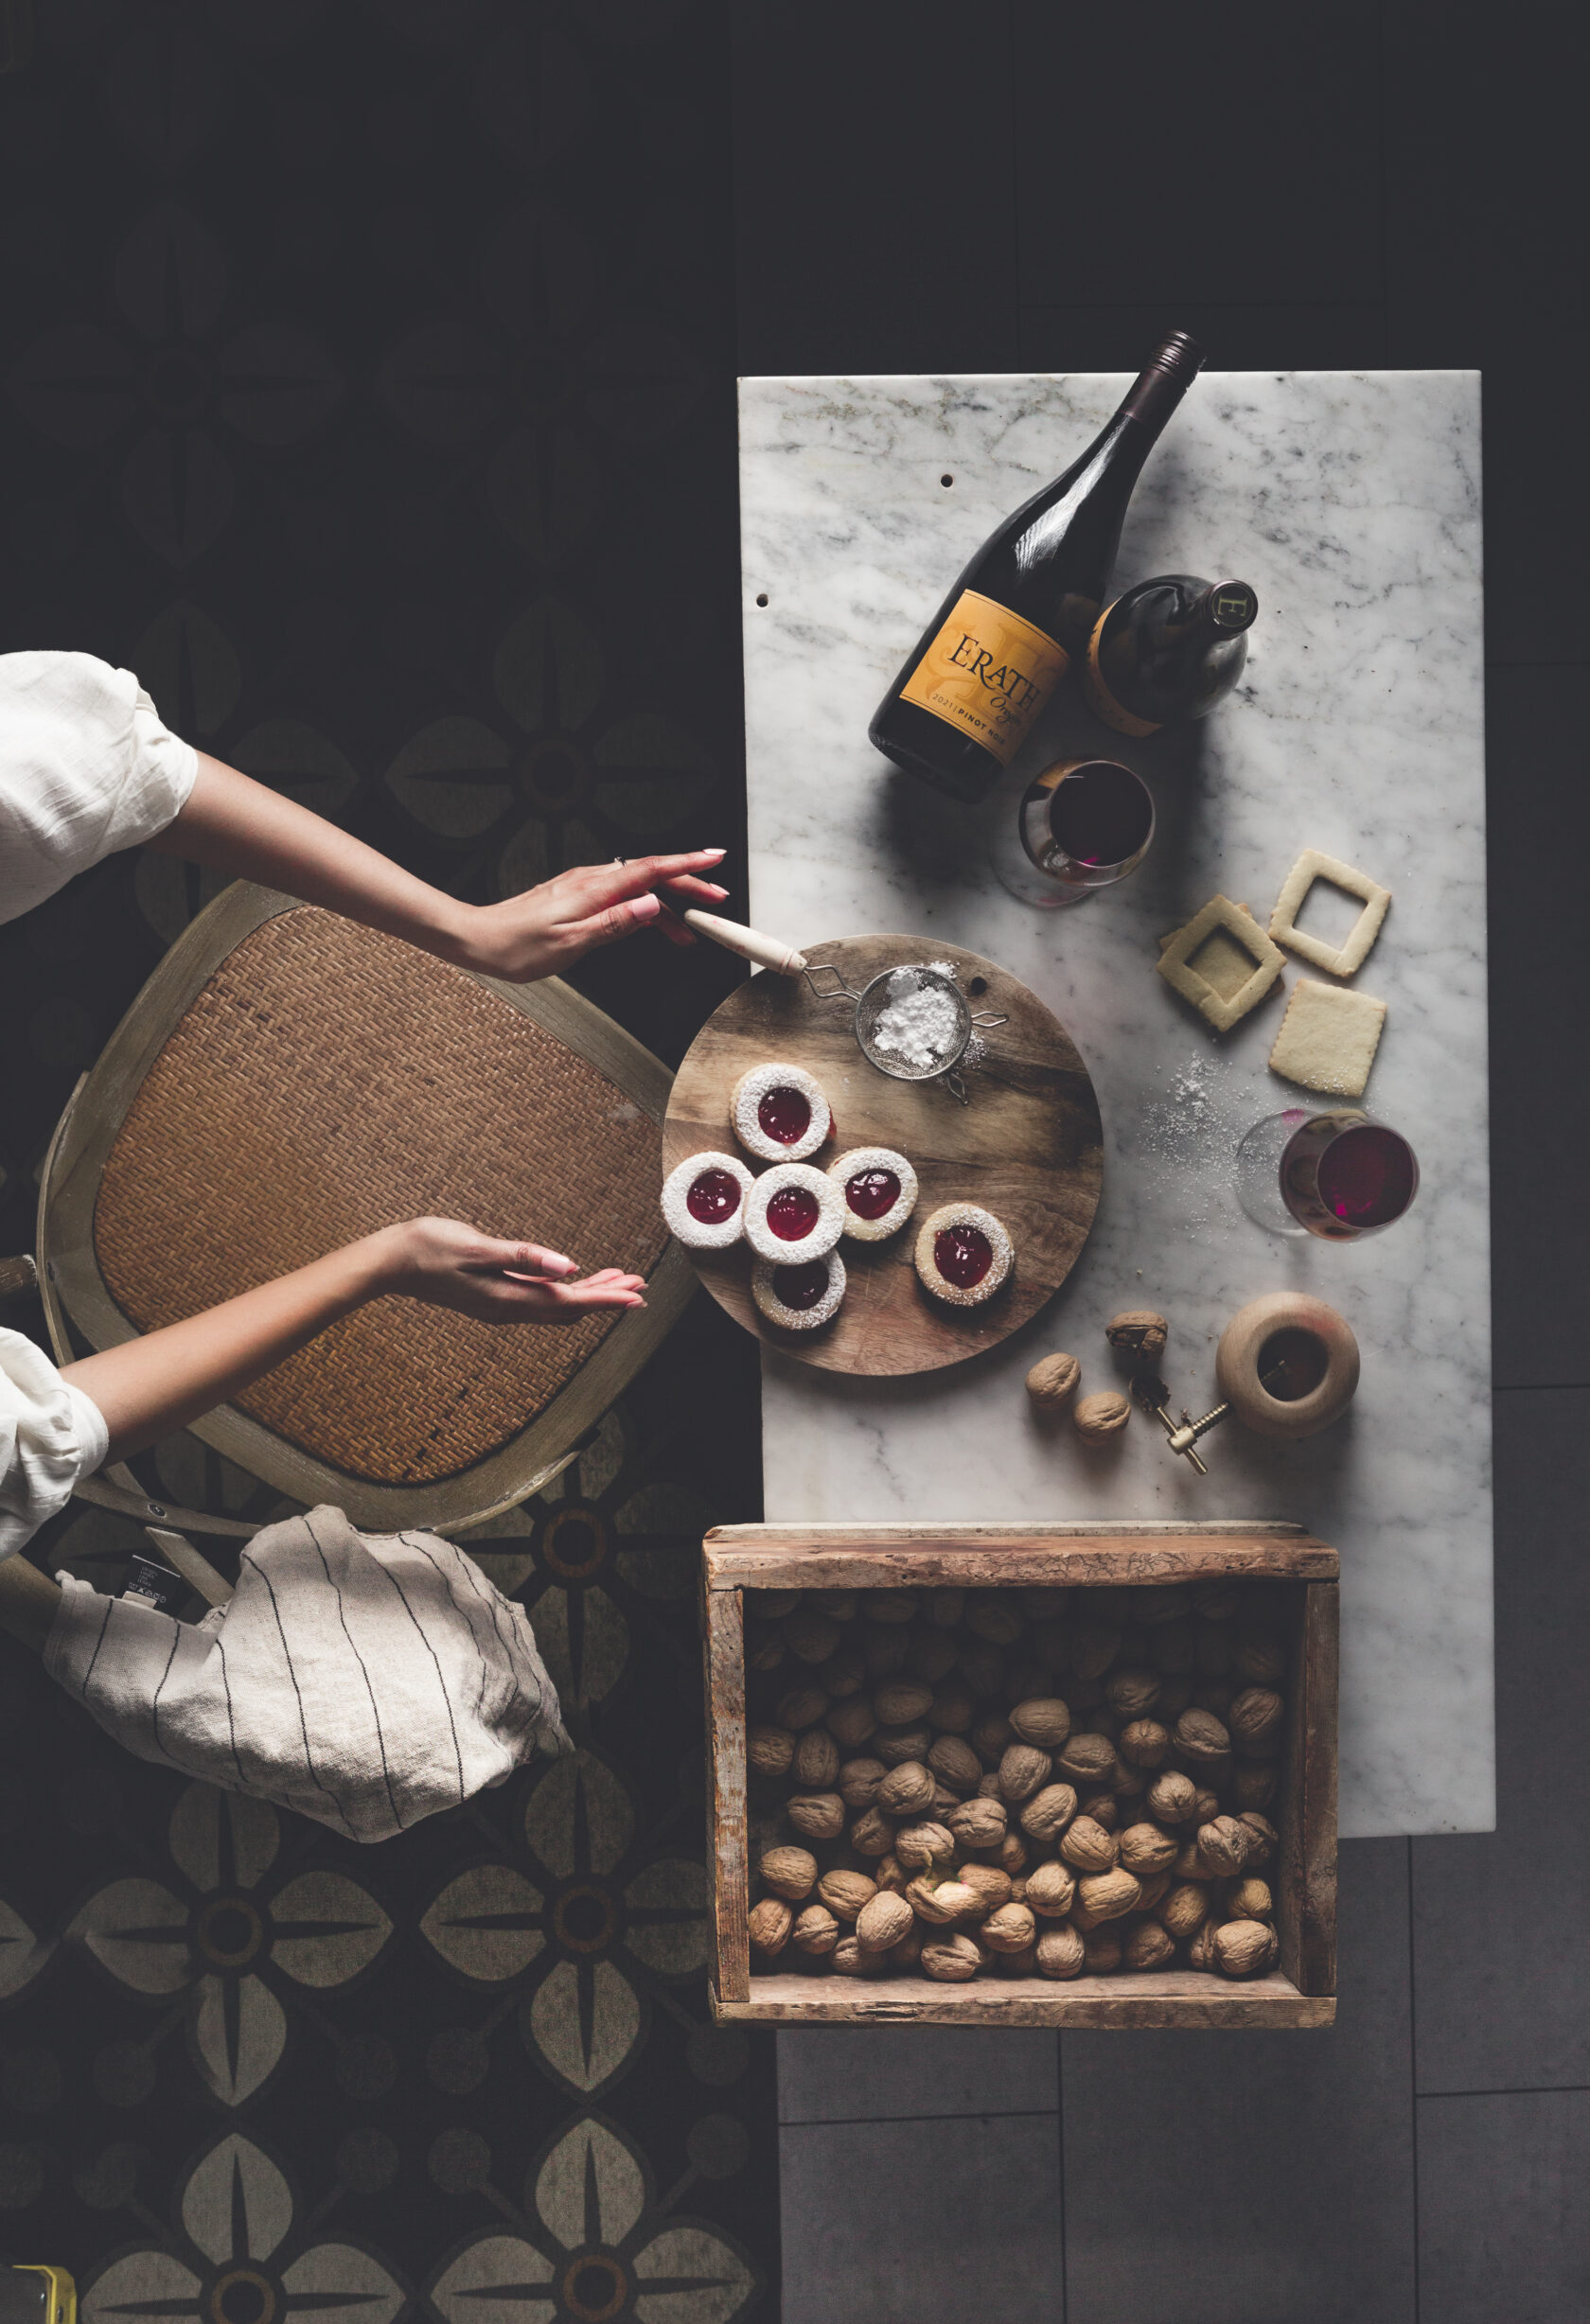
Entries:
{"x":1325,"y":1346}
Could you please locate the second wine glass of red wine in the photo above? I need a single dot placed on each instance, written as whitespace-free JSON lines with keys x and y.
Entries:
{"x":1340,"y":1176}
{"x":1081,"y":825}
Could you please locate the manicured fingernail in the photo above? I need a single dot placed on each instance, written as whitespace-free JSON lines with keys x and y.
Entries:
{"x":715,"y":853}
{"x":645,"y":908}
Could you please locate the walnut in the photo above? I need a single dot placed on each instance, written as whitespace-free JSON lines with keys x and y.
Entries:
{"x":1147,"y":1946}
{"x":1094,"y":1648}
{"x":1089,"y":1846}
{"x":1099,"y":1420}
{"x":1200,"y":1953}
{"x":1133,"y":1693}
{"x":817,"y":1814}
{"x":882,"y":1923}
{"x":901,"y":1703}
{"x":1138,"y":1333}
{"x":989,"y":1884}
{"x":1190,"y":1864}
{"x":850,"y":1722}
{"x":991,"y":1616}
{"x":931,"y":1656}
{"x":1253,"y":1785}
{"x":810,"y":1634}
{"x":1244,"y":1948}
{"x":1255,"y":1718}
{"x":1184,"y":1908}
{"x":1161,"y":1601}
{"x":1087,"y":1759}
{"x":1263,"y":1839}
{"x":1250,"y":1900}
{"x":1023,"y":1964}
{"x":1155,"y":1886}
{"x":871,"y":1834}
{"x":1101,"y":1950}
{"x":895,"y":1745}
{"x":1023,"y":1770}
{"x":890,"y":1605}
{"x":983,"y":1667}
{"x":1223,"y":1845}
{"x":841,"y":1604}
{"x":1217,"y":1601}
{"x":845,"y":1892}
{"x":851,"y":1960}
{"x":1104,"y":1808}
{"x":1213,"y":1695}
{"x":955,"y":1763}
{"x":1042,"y":1719}
{"x":1052,"y":1382}
{"x":1010,"y":1854}
{"x":802,"y":1707}
{"x":770,"y":1924}
{"x":816,"y":1765}
{"x":891,"y":1873}
{"x":858,"y":1780}
{"x":1173,"y":1797}
{"x":1261,"y":1661}
{"x":1144,"y":1848}
{"x":1205,"y":1806}
{"x":843,"y":1673}
{"x":988,"y":1785}
{"x":769,"y":1749}
{"x":941,"y":1901}
{"x":922,"y":1845}
{"x":1060,"y":1952}
{"x":1105,"y":1895}
{"x":771,"y":1605}
{"x":951,"y":1959}
{"x":992,"y":1737}
{"x":1200,"y":1740}
{"x":945,"y":1607}
{"x":764,"y":1653}
{"x":907,"y":1955}
{"x":1050,"y":1890}
{"x":788,"y":1871}
{"x":906,"y":1790}
{"x":1142,"y":1742}
{"x":1048,"y":1812}
{"x":978,"y":1823}
{"x":816,"y":1931}
{"x":1008,"y":1929}
{"x":953,"y":1707}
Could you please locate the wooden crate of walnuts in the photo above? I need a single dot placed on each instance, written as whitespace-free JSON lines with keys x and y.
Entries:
{"x":1023,"y":1775}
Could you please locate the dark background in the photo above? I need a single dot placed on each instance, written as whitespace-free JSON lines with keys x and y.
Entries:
{"x":346,"y":341}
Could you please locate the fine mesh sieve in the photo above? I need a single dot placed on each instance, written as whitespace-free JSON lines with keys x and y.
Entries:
{"x":934,"y":1046}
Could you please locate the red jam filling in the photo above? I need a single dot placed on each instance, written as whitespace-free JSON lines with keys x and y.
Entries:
{"x":784,"y":1116}
{"x":793,"y":1212}
{"x":873,"y":1194}
{"x":712,"y":1197}
{"x":800,"y":1287}
{"x":963,"y":1254}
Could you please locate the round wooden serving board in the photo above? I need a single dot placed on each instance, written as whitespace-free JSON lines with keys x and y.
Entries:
{"x":1027,"y":1147}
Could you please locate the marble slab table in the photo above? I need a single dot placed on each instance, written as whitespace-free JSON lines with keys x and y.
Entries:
{"x":1350,"y":502}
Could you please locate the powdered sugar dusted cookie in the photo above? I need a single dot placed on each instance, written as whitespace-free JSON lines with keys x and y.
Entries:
{"x":880,"y":1190}
{"x":780,"y":1113}
{"x":704,"y":1200}
{"x":799,"y":1297}
{"x":793,"y":1212}
{"x":964,"y":1254}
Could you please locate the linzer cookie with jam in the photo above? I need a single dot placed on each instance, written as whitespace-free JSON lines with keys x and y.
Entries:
{"x":880,"y":1190}
{"x":779,"y":1112}
{"x":963,"y":1254}
{"x":799,"y":1297}
{"x":793,"y":1212}
{"x":704,"y":1200}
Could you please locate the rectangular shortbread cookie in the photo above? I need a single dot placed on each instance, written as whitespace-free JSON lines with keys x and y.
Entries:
{"x":1222,"y":1009}
{"x":1328,"y":1038}
{"x":1342,"y":960}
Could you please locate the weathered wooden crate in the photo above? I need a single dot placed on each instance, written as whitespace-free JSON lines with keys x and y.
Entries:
{"x":1300,"y":1992}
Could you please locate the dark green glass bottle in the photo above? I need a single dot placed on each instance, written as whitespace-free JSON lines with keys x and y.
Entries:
{"x":1169,"y":649}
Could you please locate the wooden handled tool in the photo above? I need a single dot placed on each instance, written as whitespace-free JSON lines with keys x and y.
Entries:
{"x":766,"y":951}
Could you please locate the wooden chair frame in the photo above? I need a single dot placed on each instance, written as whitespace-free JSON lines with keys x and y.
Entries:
{"x":73,"y":1287}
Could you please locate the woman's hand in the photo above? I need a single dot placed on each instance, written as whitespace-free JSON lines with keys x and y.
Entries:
{"x":547,"y":928}
{"x":450,"y":1265}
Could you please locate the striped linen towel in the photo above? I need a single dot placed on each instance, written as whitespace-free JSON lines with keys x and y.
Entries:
{"x":365,"y":1681}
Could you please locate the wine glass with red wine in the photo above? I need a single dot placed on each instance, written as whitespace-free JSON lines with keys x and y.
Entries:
{"x":1082,"y":824}
{"x":1340,"y":1176}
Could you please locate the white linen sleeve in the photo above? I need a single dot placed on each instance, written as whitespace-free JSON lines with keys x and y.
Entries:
{"x":86,"y":767}
{"x":51,"y":1435}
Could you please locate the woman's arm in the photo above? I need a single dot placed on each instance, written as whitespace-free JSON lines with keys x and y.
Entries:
{"x":149,"y":1386}
{"x":237,"y":826}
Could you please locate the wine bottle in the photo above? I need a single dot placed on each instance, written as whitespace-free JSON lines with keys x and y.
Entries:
{"x":1024,"y":607}
{"x":1170,"y":649}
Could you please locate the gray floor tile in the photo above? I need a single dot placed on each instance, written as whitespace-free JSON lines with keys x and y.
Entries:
{"x":1540,"y":987}
{"x":874,"y":196}
{"x":1499,"y":1999}
{"x":873,"y":2073}
{"x":1253,"y":2176}
{"x":1348,"y":336}
{"x":921,"y":2222}
{"x":1148,"y":157}
{"x":1504,"y":2228}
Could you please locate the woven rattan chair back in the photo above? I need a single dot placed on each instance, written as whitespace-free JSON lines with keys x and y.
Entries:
{"x":287,"y":1082}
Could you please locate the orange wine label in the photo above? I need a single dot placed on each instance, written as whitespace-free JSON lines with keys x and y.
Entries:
{"x":987,"y":673}
{"x":1098,"y":695}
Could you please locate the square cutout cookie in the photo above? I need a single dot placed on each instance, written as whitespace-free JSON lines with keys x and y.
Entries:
{"x":1328,"y":1038}
{"x":1216,"y":987}
{"x":1342,"y":960}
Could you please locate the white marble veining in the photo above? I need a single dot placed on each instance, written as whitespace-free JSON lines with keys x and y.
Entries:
{"x":1350,"y":502}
